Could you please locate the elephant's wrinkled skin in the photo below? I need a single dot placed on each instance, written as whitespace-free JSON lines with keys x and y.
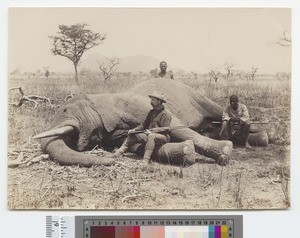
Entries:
{"x":103,"y":119}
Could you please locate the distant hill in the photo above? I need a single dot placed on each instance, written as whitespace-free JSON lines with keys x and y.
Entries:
{"x":135,"y":63}
{"x":138,"y":63}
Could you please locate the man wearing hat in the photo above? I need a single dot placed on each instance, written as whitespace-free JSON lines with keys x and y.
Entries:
{"x":235,"y":122}
{"x":157,"y":117}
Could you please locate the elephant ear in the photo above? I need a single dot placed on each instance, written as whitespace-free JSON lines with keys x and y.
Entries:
{"x":110,"y":113}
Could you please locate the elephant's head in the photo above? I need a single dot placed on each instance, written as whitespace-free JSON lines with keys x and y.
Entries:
{"x":77,"y":126}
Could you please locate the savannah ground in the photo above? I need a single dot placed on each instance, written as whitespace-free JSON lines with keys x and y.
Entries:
{"x":253,"y":179}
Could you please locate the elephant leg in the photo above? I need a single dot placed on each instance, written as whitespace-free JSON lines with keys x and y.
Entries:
{"x":175,"y":153}
{"x":259,"y":138}
{"x":220,"y":151}
{"x":256,"y":138}
{"x":182,"y":153}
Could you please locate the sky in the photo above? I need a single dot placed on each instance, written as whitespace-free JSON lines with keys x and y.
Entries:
{"x":192,"y":39}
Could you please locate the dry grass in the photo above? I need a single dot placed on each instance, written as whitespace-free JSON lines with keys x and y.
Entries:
{"x":253,"y":179}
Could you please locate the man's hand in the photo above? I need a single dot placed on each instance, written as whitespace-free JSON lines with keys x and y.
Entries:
{"x":131,"y":131}
{"x":147,"y":132}
{"x":235,"y":120}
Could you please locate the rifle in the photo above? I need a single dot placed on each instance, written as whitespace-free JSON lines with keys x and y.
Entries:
{"x":251,"y":122}
{"x":160,"y":129}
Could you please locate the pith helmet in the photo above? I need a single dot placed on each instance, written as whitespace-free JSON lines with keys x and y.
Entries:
{"x":158,"y":95}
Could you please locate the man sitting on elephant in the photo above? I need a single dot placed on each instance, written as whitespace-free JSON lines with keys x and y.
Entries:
{"x":157,"y":117}
{"x":235,"y":122}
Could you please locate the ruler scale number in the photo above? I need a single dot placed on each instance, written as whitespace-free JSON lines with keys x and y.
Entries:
{"x":144,"y":226}
{"x":155,"y":222}
{"x":140,"y":228}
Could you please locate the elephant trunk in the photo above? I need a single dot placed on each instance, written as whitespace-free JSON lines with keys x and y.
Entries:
{"x":58,"y":150}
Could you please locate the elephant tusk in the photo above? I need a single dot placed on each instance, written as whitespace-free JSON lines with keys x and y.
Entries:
{"x":55,"y":132}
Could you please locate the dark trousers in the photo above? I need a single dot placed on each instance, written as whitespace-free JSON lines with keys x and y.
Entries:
{"x":231,"y":131}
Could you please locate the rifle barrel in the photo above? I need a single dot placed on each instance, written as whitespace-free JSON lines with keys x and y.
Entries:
{"x":161,"y":129}
{"x":251,"y":122}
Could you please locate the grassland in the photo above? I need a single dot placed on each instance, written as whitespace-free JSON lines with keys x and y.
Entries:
{"x":253,"y":179}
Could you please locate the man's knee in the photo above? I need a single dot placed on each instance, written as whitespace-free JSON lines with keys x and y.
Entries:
{"x":136,"y":138}
{"x":225,"y":131}
{"x":247,"y":126}
{"x":157,"y":138}
{"x":131,"y":139}
{"x":151,"y":136}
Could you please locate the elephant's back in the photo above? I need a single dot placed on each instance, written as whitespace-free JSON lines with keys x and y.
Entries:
{"x":183,"y":101}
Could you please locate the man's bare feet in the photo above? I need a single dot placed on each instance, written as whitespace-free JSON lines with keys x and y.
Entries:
{"x":247,"y":146}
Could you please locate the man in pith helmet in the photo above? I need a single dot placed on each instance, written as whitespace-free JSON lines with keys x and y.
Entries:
{"x":157,"y":117}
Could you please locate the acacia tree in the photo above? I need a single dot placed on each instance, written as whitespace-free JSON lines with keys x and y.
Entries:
{"x":109,"y":68}
{"x":72,"y":41}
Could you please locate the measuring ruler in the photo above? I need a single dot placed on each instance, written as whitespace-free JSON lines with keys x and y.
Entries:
{"x":144,"y":226}
{"x":60,"y":227}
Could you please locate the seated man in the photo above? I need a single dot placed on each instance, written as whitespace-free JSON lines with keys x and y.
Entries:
{"x":235,"y":122}
{"x":163,"y":71}
{"x":157,"y":117}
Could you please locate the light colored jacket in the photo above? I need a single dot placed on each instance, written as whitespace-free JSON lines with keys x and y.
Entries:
{"x":241,"y":113}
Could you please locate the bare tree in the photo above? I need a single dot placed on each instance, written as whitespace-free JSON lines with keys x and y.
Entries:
{"x":109,"y":67}
{"x":37,"y":74}
{"x":214,"y":74}
{"x":153,"y":72}
{"x":46,"y":71}
{"x":195,"y":75}
{"x":16,"y":72}
{"x":72,"y":41}
{"x":253,"y":72}
{"x":229,"y":68}
{"x":285,"y":40}
{"x":283,"y":75}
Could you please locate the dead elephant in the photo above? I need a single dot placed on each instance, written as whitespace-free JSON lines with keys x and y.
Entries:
{"x":104,"y":119}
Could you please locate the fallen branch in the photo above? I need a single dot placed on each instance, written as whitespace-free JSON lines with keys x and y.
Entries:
{"x":19,"y":161}
{"x":23,"y":150}
{"x":68,"y":97}
{"x":19,"y":88}
{"x":129,"y":197}
{"x":35,"y":99}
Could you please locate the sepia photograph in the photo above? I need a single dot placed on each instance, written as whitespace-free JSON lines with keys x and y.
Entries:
{"x":149,"y":108}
